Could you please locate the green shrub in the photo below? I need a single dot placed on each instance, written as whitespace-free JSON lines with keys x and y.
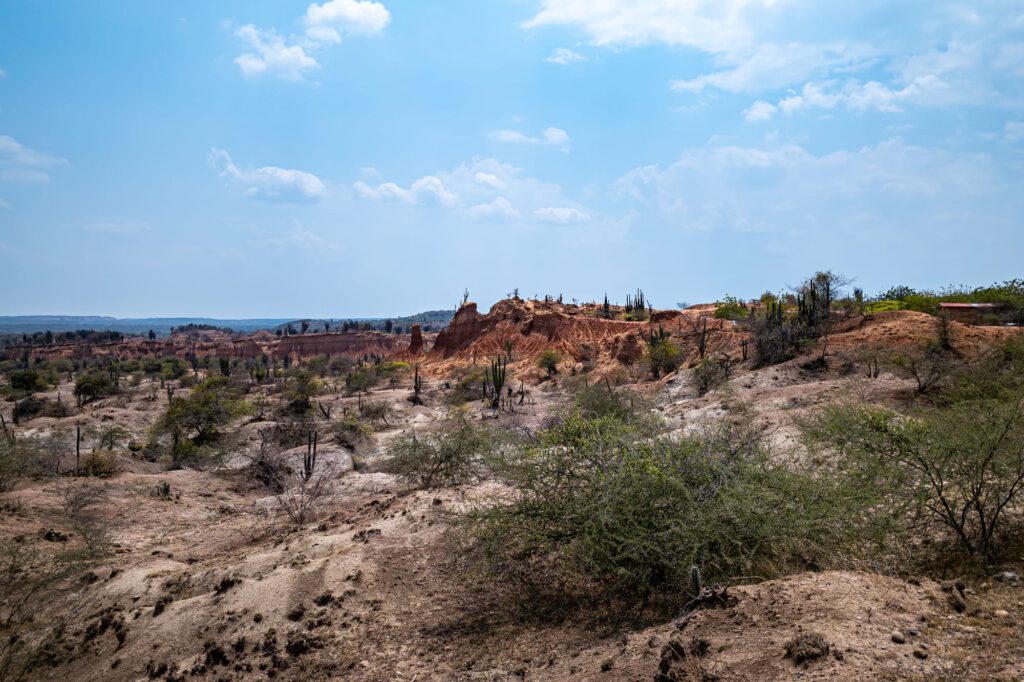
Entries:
{"x":467,"y":385}
{"x":731,"y":308}
{"x":28,"y":381}
{"x":604,"y":511}
{"x":623,"y":405}
{"x":664,"y":357}
{"x":210,"y":405}
{"x":549,"y":360}
{"x":99,"y":463}
{"x":955,"y":472}
{"x":17,"y":459}
{"x":882,"y":306}
{"x":377,"y":411}
{"x":93,"y":385}
{"x":350,"y":432}
{"x":712,"y":372}
{"x":459,"y":453}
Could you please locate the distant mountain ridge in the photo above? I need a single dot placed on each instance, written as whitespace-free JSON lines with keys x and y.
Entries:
{"x":29,"y":324}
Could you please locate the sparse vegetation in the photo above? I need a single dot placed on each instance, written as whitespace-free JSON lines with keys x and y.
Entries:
{"x":458,"y":453}
{"x":603,"y":509}
{"x":549,"y":360}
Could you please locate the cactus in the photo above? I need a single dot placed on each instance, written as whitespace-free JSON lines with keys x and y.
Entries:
{"x":702,"y":342}
{"x":498,"y":379}
{"x":309,"y":459}
{"x":695,"y":580}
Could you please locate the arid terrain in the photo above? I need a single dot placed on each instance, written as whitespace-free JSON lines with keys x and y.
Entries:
{"x":202,"y":571}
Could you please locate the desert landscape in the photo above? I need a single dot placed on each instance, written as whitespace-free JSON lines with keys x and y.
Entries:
{"x":468,"y":504}
{"x":511,"y":341}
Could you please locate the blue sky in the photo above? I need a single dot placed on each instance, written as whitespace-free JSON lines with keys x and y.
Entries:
{"x":361,"y":158}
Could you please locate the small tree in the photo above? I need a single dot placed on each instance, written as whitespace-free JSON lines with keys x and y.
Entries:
{"x":961,"y":468}
{"x":457,"y":454}
{"x":210,"y":405}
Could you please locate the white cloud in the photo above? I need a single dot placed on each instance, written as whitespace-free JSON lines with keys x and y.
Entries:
{"x":759,"y":111}
{"x":272,"y":55}
{"x":858,"y":96}
{"x":498,"y":208}
{"x":118,"y":227}
{"x":270,"y":182}
{"x":327,"y":22}
{"x":481,"y":189}
{"x":426,"y":190}
{"x":3,"y":74}
{"x":4,"y":204}
{"x":709,"y":25}
{"x":859,"y":57}
{"x":19,"y":163}
{"x":489,"y":179}
{"x":894,"y":184}
{"x":562,"y":215}
{"x":1014,"y":130}
{"x":551,"y":137}
{"x":289,"y":57}
{"x":770,"y":66}
{"x":563,"y":56}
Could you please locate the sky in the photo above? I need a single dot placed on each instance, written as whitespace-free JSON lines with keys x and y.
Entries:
{"x":363,"y":158}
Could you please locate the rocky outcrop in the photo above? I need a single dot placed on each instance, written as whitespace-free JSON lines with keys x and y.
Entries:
{"x":531,"y":327}
{"x":350,"y":345}
{"x":416,"y":340}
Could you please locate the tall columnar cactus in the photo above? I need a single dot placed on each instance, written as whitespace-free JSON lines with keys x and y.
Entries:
{"x":702,"y":341}
{"x":498,"y":379}
{"x":695,"y":583}
{"x":309,"y":459}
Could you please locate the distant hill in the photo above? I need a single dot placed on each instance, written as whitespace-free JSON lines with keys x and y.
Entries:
{"x":430,"y":321}
{"x":29,"y":324}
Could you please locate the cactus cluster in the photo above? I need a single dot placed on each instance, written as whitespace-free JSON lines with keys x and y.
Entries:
{"x":498,"y":369}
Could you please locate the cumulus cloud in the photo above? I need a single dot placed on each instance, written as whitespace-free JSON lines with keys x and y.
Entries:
{"x":710,"y":25}
{"x":498,"y":208}
{"x":892,"y":183}
{"x":272,"y":55}
{"x":759,"y":111}
{"x":270,"y":182}
{"x":489,"y":179}
{"x":945,"y":53}
{"x":325,"y":24}
{"x":19,"y":163}
{"x":562,"y":215}
{"x":550,"y":137}
{"x":426,"y":190}
{"x":482,"y":189}
{"x":563,"y":56}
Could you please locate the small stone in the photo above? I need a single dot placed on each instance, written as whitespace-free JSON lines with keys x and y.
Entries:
{"x":898,"y":637}
{"x":1001,"y":613}
{"x":364,"y":663}
{"x":913,"y":632}
{"x":920,"y":653}
{"x":1008,"y":577}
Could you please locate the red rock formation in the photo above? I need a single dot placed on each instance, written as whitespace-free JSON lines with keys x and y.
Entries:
{"x":416,"y":342}
{"x":351,"y":344}
{"x":531,"y":326}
